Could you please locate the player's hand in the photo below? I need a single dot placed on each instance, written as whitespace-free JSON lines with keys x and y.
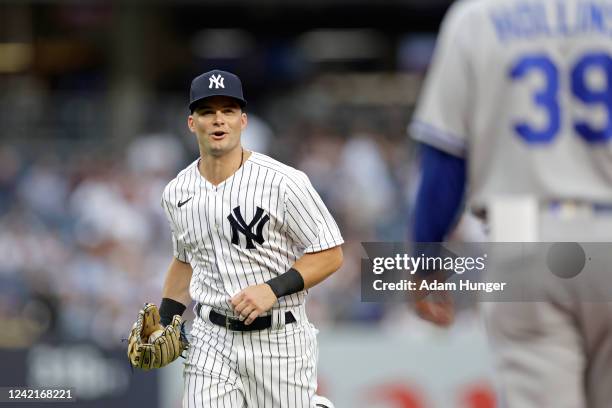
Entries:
{"x":253,"y":301}
{"x":439,"y":310}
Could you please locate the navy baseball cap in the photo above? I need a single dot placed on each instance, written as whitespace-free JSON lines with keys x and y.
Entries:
{"x":215,"y":83}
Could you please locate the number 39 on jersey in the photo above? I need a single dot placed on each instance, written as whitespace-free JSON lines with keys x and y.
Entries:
{"x":589,"y":80}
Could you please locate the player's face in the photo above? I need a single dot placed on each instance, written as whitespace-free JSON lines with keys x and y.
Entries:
{"x":218,"y":122}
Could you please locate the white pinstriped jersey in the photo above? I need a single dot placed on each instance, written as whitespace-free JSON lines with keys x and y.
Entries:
{"x":246,"y":230}
{"x":522,"y":89}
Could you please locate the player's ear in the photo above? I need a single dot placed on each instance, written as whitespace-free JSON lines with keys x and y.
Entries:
{"x":191,"y":123}
{"x":243,"y":120}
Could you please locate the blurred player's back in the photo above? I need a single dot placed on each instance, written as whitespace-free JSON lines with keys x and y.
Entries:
{"x":540,"y":97}
{"x":519,"y":93}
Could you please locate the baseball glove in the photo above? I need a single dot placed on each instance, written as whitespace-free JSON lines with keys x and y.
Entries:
{"x":152,"y":345}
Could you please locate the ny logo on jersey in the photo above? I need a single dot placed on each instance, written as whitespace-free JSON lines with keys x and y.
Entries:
{"x":217,"y":81}
{"x":239,"y":225}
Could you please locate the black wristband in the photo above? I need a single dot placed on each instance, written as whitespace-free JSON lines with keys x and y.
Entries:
{"x":169,"y":308}
{"x":287,"y":283}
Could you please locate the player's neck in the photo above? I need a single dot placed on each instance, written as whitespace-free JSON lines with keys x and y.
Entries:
{"x":218,"y":169}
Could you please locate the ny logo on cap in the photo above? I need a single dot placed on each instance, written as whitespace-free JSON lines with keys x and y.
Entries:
{"x":217,"y":81}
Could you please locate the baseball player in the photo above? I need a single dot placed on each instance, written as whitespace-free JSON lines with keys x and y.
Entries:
{"x":250,"y":237}
{"x":517,"y":102}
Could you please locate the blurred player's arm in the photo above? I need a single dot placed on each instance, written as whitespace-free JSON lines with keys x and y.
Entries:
{"x":438,"y":208}
{"x":175,"y":294}
{"x":441,"y":121}
{"x":440,"y":194}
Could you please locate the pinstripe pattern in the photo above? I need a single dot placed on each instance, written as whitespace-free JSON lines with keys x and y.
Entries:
{"x":269,"y":368}
{"x":299,"y":223}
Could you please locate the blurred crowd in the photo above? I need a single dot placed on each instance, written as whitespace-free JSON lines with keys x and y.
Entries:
{"x":84,"y":241}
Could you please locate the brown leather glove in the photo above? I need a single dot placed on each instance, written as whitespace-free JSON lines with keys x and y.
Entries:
{"x":152,"y":345}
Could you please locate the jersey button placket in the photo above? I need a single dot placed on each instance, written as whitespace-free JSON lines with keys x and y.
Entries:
{"x":215,"y":216}
{"x":216,"y":219}
{"x":212,"y":220}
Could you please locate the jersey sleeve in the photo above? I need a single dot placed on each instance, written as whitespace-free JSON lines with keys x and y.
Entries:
{"x":442,"y":115}
{"x":178,"y":246}
{"x":307,"y":219}
{"x":440,"y":195}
